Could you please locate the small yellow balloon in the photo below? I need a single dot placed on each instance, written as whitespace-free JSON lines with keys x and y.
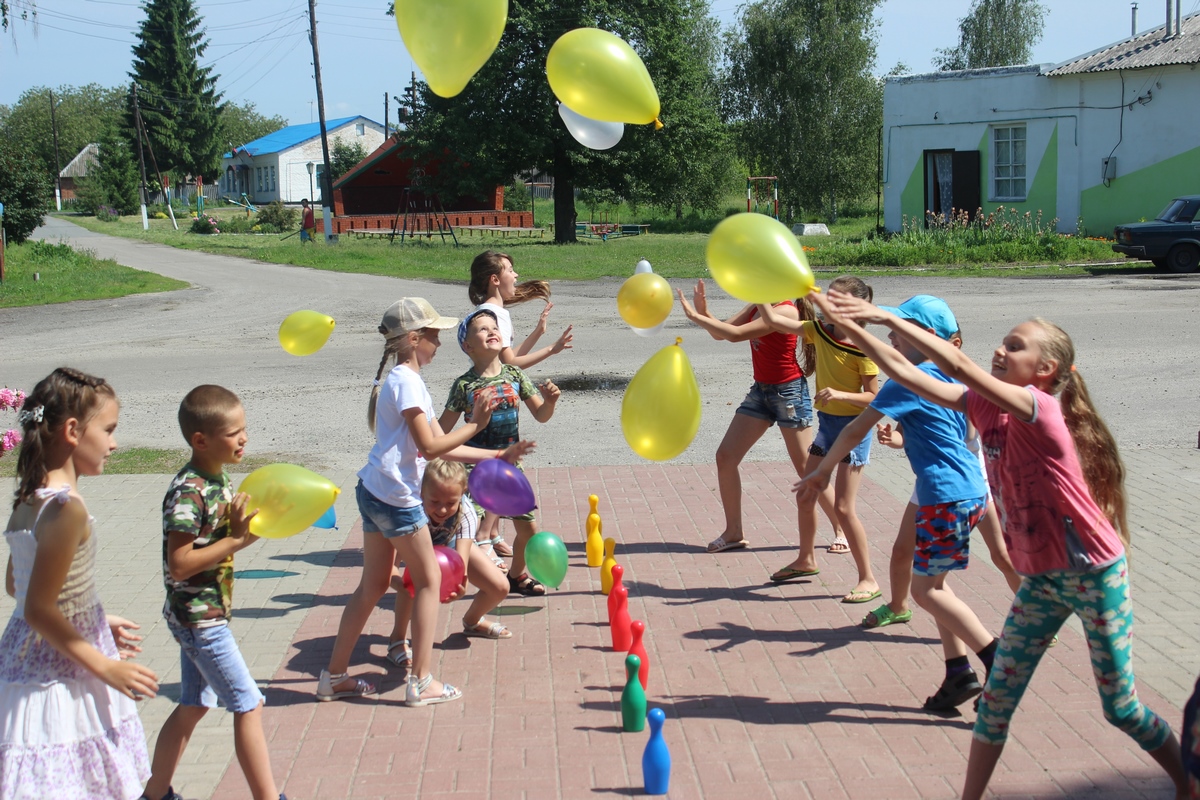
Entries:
{"x":450,"y":40}
{"x":758,"y":260}
{"x":288,"y":498}
{"x":660,"y":413}
{"x":597,"y":75}
{"x":305,"y":332}
{"x":644,"y":300}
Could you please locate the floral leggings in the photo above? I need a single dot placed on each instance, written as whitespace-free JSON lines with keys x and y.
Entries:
{"x":1042,"y":605}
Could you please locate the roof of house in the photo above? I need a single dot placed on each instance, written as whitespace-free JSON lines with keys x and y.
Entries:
{"x":1151,"y":49}
{"x":292,"y":135}
{"x":80,"y":164}
{"x":389,"y":147}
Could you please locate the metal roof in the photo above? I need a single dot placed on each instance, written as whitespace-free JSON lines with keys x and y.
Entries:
{"x":1146,"y":50}
{"x":80,"y":164}
{"x":289,"y":137}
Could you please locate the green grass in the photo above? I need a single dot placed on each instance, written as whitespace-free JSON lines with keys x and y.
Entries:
{"x":40,"y":273}
{"x":167,"y":461}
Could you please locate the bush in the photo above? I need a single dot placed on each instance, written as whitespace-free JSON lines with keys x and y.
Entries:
{"x":205,"y":225}
{"x":516,"y":197}
{"x":238,"y":223}
{"x":278,"y":216}
{"x":108,"y":214}
{"x":24,"y":189}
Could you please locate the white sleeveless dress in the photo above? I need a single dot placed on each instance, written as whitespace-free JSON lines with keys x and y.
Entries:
{"x":64,"y":733}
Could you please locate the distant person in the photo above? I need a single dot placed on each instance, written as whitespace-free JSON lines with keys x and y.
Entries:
{"x":204,"y":524}
{"x":308,"y":222}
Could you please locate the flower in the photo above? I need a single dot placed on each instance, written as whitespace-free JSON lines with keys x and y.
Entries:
{"x":9,"y":441}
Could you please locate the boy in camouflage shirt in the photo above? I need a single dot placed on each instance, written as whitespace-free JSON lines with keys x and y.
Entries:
{"x":204,"y":524}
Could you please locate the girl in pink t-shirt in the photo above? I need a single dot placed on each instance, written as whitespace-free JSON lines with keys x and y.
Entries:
{"x":1059,"y":483}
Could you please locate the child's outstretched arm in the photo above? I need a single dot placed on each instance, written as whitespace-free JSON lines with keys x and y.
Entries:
{"x":508,"y":356}
{"x":542,"y":405}
{"x":538,"y":330}
{"x":815,"y":482}
{"x":738,"y":328}
{"x":779,"y":320}
{"x":953,"y":361}
{"x":60,"y":532}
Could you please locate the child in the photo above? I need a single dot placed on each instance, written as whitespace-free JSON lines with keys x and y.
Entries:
{"x":308,"y":222}
{"x":1059,"y":481}
{"x":479,"y":337}
{"x":494,"y":287}
{"x":847,"y":382}
{"x":452,"y":523}
{"x":779,"y":394}
{"x":388,"y":493}
{"x":204,"y":524}
{"x":69,"y":726}
{"x":951,"y":493}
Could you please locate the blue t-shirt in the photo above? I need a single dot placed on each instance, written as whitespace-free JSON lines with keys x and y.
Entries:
{"x":934,"y":441}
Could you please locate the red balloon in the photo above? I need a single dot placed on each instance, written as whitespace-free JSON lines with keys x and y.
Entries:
{"x":454,"y":572}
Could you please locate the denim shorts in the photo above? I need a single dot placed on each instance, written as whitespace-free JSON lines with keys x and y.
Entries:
{"x":944,"y":535}
{"x":213,"y":670}
{"x":828,"y":428}
{"x":391,"y":521}
{"x":785,"y":403}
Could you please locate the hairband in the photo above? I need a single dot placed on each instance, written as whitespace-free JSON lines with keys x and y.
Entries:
{"x":35,"y":415}
{"x":1073,"y":368}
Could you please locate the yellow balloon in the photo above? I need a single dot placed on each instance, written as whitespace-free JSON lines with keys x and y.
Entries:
{"x":660,"y":413}
{"x":597,"y":75}
{"x":758,"y":260}
{"x":288,"y":498}
{"x":644,"y":300}
{"x":450,"y":39}
{"x":305,"y":332}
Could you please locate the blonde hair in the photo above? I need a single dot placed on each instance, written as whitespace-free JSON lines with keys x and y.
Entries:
{"x":396,"y":350}
{"x":1099,"y":457}
{"x":445,"y":473}
{"x":808,"y":350}
{"x":489,"y":263}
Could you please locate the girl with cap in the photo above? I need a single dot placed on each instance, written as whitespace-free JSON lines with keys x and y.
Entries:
{"x":407,"y":433}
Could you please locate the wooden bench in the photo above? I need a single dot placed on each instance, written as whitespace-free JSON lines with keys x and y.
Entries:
{"x":503,"y":231}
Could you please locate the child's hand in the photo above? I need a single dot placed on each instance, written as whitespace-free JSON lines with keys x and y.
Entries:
{"x":827,"y":395}
{"x":514,"y":453}
{"x":841,"y":304}
{"x":239,"y":520}
{"x":811,"y":486}
{"x":700,"y":298}
{"x":689,"y":312}
{"x":564,"y":341}
{"x":124,"y":636}
{"x":485,"y":401}
{"x":550,"y":392}
{"x":889,"y":436}
{"x":459,"y":592}
{"x":543,"y":320}
{"x":133,"y":680}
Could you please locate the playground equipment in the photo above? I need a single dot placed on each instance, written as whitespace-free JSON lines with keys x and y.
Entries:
{"x":771,"y":186}
{"x":246,"y":204}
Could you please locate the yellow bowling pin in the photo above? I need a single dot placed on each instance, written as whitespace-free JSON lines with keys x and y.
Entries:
{"x":595,"y":537}
{"x":606,"y":578}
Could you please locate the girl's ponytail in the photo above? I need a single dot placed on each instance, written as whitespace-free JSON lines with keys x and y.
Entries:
{"x":396,"y":349}
{"x":808,"y":350}
{"x":489,"y":263}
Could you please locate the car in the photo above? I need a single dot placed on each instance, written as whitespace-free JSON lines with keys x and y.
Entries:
{"x":1171,"y":241}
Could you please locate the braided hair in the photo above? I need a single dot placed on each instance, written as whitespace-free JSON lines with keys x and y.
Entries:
{"x":397,"y":348}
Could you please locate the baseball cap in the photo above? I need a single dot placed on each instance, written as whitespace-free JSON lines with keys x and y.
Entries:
{"x":928,"y":312}
{"x":466,"y":323}
{"x":412,"y":314}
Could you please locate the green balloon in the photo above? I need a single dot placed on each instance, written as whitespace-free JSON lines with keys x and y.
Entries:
{"x":546,"y":558}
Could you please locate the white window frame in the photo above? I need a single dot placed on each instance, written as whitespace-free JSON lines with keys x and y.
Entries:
{"x":1009,"y":180}
{"x":258,"y":171}
{"x":360,"y":129}
{"x":272,"y":177}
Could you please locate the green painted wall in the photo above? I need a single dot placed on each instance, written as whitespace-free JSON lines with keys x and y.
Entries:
{"x":912,"y":199}
{"x":1141,"y":194}
{"x":1042,"y":193}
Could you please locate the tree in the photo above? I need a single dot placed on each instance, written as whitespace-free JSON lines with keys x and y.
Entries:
{"x":800,"y":91}
{"x":995,"y":33}
{"x":179,"y":103}
{"x":81,"y":114}
{"x":24,"y":190}
{"x":505,"y":122}
{"x":343,"y":156}
{"x":114,"y":182}
{"x":12,"y":10}
{"x":241,"y":124}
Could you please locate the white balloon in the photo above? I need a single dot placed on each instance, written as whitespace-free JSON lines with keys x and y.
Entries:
{"x":642,"y":266}
{"x":589,"y":132}
{"x":648,"y":332}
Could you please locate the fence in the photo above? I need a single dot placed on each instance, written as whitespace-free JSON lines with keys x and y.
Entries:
{"x":187,"y":193}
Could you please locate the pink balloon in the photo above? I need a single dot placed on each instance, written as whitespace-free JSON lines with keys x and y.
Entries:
{"x":454,"y":572}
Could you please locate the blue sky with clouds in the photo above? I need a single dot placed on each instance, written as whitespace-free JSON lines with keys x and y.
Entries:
{"x":260,"y":48}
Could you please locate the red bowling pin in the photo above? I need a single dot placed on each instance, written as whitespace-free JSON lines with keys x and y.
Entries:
{"x":618,"y":623}
{"x":617,"y":573}
{"x":638,"y":629}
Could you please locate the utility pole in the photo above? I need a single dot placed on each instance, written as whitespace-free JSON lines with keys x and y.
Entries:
{"x":141,"y":126}
{"x":57,"y":161}
{"x":137,"y":116}
{"x":385,"y":116}
{"x":326,"y":184}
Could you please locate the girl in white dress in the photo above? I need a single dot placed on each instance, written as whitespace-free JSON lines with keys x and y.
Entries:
{"x":69,"y":726}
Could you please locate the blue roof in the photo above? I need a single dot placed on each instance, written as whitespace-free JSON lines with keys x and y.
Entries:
{"x":290,"y":136}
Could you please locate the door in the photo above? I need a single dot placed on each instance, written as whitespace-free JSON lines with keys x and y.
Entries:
{"x":951,"y":183}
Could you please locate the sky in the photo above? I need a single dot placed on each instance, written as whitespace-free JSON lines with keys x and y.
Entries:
{"x":261,"y":52}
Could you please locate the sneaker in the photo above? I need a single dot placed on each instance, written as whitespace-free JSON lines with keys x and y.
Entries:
{"x":170,"y":795}
{"x":954,"y":692}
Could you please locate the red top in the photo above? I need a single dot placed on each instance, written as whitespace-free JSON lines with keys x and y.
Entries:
{"x":774,"y":355}
{"x":310,"y":219}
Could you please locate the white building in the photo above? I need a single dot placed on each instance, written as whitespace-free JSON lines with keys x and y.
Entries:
{"x":1104,"y":138}
{"x":287,"y":164}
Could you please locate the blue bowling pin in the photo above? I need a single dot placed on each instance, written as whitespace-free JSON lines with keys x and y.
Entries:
{"x":656,"y":760}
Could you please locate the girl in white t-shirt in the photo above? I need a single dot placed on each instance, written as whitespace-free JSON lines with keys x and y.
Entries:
{"x":389,"y":500}
{"x":494,"y":287}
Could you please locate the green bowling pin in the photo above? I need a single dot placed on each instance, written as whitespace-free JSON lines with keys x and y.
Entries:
{"x":633,"y":699}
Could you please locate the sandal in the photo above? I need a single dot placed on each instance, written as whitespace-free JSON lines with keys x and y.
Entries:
{"x":526,"y":585}
{"x":327,"y":681}
{"x":489,"y":549}
{"x":487,"y":630}
{"x":954,"y":692}
{"x":399,"y":654}
{"x":884,"y":616}
{"x":412,"y":693}
{"x":500,"y":547}
{"x":719,"y":545}
{"x":788,"y":573}
{"x":840,"y":546}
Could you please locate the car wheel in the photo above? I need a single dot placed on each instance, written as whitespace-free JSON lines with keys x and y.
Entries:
{"x":1183,"y":258}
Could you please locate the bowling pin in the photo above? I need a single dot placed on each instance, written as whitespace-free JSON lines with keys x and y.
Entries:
{"x":633,"y":698}
{"x":595,"y":540}
{"x":636,"y":648}
{"x":618,"y":573}
{"x":606,"y":579}
{"x":656,"y":758}
{"x":619,"y":624}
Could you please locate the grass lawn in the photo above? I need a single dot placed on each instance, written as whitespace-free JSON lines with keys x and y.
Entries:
{"x":676,"y":255}
{"x":39,"y":273}
{"x":166,"y":461}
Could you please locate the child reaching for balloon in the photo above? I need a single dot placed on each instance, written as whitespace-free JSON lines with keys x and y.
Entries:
{"x":1059,"y":481}
{"x":847,"y":382}
{"x":67,"y":697}
{"x":479,"y":337}
{"x":452,"y":524}
{"x":394,"y":524}
{"x":779,"y":395}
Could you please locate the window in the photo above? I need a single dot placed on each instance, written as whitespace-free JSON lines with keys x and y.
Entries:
{"x":360,"y":129}
{"x":272,"y":177}
{"x":1008,"y":163}
{"x":258,"y":176}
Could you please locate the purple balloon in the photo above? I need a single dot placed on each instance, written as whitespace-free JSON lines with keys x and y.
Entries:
{"x":501,"y":488}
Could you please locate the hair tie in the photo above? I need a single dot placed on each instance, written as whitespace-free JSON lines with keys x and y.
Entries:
{"x":1073,"y":368}
{"x":34,"y":415}
{"x":375,"y":382}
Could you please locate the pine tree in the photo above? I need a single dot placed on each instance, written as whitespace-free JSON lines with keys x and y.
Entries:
{"x":179,"y":102}
{"x":114,"y":180}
